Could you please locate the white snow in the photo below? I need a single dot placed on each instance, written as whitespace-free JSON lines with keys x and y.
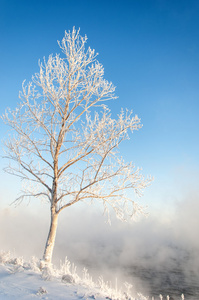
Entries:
{"x":21,"y":284}
{"x":20,"y":280}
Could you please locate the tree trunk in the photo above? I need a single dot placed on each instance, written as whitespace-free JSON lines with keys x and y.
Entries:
{"x":47,"y":257}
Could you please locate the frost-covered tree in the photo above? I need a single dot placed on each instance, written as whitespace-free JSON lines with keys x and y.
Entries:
{"x":64,"y":144}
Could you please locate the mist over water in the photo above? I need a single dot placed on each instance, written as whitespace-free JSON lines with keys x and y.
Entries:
{"x":156,"y":255}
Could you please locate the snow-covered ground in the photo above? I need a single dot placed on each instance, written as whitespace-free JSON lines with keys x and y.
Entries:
{"x":21,"y":280}
{"x":20,"y":284}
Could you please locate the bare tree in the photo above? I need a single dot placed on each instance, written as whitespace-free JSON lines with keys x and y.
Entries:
{"x":61,"y":148}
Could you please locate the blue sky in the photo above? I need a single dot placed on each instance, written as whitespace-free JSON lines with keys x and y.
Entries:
{"x":150,"y":51}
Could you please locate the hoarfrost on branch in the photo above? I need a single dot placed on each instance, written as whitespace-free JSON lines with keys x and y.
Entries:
{"x":65,"y":142}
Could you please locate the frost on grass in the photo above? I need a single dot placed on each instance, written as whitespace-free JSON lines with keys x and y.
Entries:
{"x":67,"y":274}
{"x":42,"y":291}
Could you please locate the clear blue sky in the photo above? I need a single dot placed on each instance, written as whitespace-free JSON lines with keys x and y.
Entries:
{"x":150,"y":51}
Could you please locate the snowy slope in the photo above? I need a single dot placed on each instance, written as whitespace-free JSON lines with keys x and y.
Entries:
{"x":26,"y":284}
{"x":20,"y":280}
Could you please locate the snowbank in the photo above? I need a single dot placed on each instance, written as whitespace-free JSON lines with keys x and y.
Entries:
{"x":26,"y":280}
{"x":21,"y":280}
